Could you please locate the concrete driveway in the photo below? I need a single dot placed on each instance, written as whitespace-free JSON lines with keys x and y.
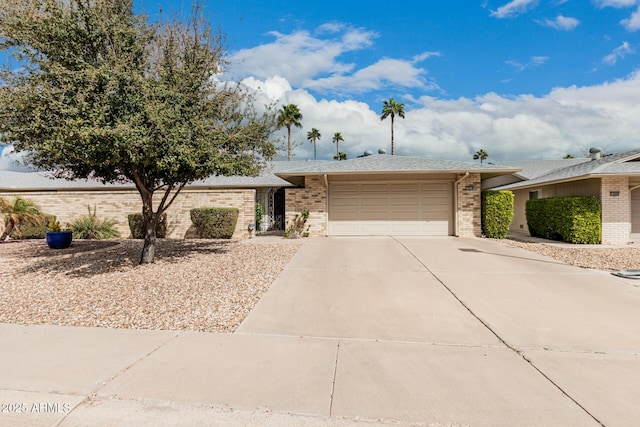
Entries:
{"x":360,"y":331}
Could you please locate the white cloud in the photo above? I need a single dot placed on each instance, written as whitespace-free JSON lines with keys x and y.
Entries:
{"x":615,"y":3}
{"x":513,"y":8}
{"x":567,"y":120}
{"x":11,"y":161}
{"x":561,"y":23}
{"x":299,"y":56}
{"x":534,"y":61}
{"x":314,"y":62}
{"x":633,"y":23}
{"x":617,"y":53}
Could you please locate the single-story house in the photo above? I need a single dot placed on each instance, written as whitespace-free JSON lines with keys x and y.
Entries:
{"x":371,"y":195}
{"x":614,"y":179}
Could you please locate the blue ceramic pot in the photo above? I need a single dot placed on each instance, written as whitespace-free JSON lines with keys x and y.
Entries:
{"x":59,"y":239}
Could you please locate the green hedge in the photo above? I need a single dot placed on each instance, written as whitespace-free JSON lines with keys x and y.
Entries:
{"x":136,"y":225}
{"x":571,"y":219}
{"x":214,"y":223}
{"x":497,"y":213}
{"x":28,"y":231}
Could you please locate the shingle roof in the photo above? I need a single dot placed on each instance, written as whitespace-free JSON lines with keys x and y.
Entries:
{"x":530,"y":169}
{"x":622,"y":163}
{"x":388,"y":163}
{"x":13,"y":181}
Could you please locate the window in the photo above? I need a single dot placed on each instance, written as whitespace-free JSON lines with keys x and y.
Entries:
{"x":537,"y":194}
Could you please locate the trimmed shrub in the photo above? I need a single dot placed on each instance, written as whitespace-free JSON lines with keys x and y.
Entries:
{"x":497,"y":213}
{"x":214,"y":223}
{"x":31,"y":231}
{"x":136,"y":225}
{"x":570,"y":219}
{"x":90,"y":227}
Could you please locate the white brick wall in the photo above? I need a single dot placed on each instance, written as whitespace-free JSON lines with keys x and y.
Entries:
{"x":616,"y":210}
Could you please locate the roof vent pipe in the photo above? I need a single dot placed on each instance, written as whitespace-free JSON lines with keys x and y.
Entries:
{"x":382,"y":151}
{"x":595,"y":153}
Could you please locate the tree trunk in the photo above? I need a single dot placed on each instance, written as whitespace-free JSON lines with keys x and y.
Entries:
{"x":150,"y":221}
{"x":7,"y":230}
{"x":392,"y":134}
{"x":289,"y":143}
{"x":314,"y":149}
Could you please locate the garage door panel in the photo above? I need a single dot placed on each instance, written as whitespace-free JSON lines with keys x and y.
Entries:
{"x":374,"y":188}
{"x":374,"y":201}
{"x":375,"y":216}
{"x":404,"y":201}
{"x":405,"y":216}
{"x":391,"y":208}
{"x":340,"y":188}
{"x":404,"y":188}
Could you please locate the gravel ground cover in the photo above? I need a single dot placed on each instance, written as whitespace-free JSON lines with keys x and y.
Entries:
{"x":195,"y":285}
{"x":599,"y":258}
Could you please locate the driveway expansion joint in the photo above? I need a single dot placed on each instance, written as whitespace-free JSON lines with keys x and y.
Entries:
{"x":92,"y":395}
{"x":502,"y":340}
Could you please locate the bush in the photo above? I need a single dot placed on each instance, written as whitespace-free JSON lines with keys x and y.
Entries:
{"x":571,"y":219}
{"x":214,"y":223}
{"x":497,"y":213}
{"x":136,"y":225}
{"x":32,"y":231}
{"x":90,"y":227}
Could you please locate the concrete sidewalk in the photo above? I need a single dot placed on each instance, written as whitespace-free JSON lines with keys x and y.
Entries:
{"x":358,"y":331}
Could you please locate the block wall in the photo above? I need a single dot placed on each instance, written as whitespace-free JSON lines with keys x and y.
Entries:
{"x":616,"y":210}
{"x":469,"y":219}
{"x":67,"y":205}
{"x":312,"y":197}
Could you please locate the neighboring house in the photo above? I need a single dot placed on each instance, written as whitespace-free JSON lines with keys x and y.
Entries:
{"x":614,"y":179}
{"x":529,"y":169}
{"x":372,"y":195}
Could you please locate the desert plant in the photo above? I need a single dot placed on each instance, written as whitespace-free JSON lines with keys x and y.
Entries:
{"x":497,"y":213}
{"x":54,"y":226}
{"x":32,"y":231}
{"x":20,"y":211}
{"x":136,"y":226}
{"x":296,"y":229}
{"x":214,"y":223}
{"x":91,"y":227}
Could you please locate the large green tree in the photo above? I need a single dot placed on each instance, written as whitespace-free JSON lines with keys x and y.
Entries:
{"x":392,"y":108}
{"x":289,"y":115}
{"x":101,"y":94}
{"x":313,"y":135}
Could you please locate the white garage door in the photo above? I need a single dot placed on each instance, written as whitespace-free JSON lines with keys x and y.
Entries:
{"x":391,"y":208}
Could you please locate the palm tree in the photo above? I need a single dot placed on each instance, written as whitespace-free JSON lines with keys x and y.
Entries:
{"x":480,"y":154}
{"x":337,"y":137}
{"x":340,"y":156}
{"x":289,"y":115}
{"x":392,"y":108}
{"x":21,"y":211}
{"x":313,"y":135}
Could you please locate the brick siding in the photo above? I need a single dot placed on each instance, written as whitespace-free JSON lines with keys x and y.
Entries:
{"x":312,"y":197}
{"x":616,"y":210}
{"x":469,"y":219}
{"x":67,"y":205}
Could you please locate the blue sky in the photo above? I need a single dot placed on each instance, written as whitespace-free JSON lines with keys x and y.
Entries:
{"x":521,"y":79}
